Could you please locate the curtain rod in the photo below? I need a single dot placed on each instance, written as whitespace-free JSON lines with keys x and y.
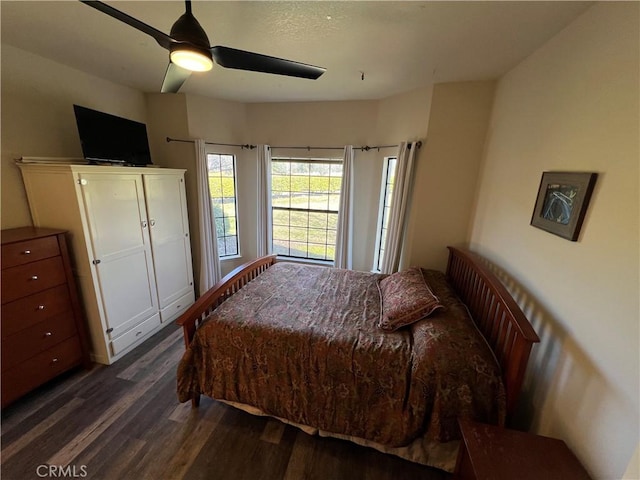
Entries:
{"x":246,"y":145}
{"x":364,"y":148}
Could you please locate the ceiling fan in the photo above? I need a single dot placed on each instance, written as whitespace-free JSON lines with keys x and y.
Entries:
{"x":189,"y":50}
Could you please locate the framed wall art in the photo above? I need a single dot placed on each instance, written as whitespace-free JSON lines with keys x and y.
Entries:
{"x":563,"y":198}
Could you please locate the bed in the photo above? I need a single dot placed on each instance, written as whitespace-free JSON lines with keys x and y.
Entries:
{"x":308,"y":345}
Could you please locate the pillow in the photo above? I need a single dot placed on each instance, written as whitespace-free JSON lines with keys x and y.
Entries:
{"x":405,"y":298}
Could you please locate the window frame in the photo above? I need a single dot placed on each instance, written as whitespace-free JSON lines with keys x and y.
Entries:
{"x":382,"y":210}
{"x":311,"y":161}
{"x":235,"y":192}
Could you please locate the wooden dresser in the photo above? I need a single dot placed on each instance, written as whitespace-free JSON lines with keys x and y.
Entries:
{"x":42,"y":327}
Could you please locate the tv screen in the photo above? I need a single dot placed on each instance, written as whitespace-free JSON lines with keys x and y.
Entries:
{"x":108,"y":138}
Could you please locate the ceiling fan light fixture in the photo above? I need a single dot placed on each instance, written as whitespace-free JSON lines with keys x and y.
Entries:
{"x":190,"y":50}
{"x":191,"y":59}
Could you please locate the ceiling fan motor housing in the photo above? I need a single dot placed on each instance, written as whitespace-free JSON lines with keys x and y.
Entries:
{"x":188,"y":30}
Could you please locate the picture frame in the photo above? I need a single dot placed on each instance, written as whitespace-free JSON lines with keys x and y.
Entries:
{"x":561,"y":205}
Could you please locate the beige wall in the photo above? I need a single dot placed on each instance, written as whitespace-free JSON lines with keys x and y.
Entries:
{"x":404,"y":116}
{"x":214,"y":119}
{"x":447,"y":171}
{"x":574,"y":105}
{"x":313,"y":123}
{"x":38,"y":119}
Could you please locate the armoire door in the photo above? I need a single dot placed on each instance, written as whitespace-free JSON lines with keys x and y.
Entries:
{"x":117,"y":219}
{"x":169,"y":229}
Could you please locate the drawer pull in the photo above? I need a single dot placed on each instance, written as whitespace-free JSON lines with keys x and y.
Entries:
{"x":178,"y":306}
{"x":47,"y":334}
{"x":27,"y":252}
{"x":138,"y":333}
{"x":40,"y":307}
{"x":34,"y":277}
{"x":54,"y":360}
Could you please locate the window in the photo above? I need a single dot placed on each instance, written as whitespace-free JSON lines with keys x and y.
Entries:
{"x":388,"y":180}
{"x":305,"y":197}
{"x":222,"y":186}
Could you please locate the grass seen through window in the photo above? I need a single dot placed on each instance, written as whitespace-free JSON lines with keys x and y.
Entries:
{"x":222,"y":187}
{"x":305,"y":201}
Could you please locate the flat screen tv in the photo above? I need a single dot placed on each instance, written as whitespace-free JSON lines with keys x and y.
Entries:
{"x":112,"y":139}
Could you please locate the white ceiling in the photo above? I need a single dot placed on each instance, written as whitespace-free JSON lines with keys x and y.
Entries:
{"x":398,"y":45}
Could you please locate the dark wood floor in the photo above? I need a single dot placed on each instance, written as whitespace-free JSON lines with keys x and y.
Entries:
{"x":124,"y":422}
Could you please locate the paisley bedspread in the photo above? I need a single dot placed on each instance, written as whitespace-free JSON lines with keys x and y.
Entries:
{"x":300,"y":342}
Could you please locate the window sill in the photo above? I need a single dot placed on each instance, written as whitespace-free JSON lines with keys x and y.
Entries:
{"x":324,"y":263}
{"x":230,"y":257}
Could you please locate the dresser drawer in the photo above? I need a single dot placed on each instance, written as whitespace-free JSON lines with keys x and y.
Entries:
{"x":135,"y":334}
{"x":18,"y":282}
{"x":28,"y":311}
{"x":28,"y":251}
{"x":175,"y":309}
{"x":33,"y":372}
{"x":38,"y":338}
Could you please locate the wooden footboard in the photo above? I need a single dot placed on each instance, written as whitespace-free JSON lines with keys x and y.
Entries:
{"x":226,"y":287}
{"x":497,"y":316}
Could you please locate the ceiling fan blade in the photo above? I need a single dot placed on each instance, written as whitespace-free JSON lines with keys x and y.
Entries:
{"x":163,"y":39}
{"x":255,"y":62}
{"x":174,"y":77}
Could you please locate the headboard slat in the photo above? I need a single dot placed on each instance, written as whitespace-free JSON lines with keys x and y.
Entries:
{"x":497,"y":316}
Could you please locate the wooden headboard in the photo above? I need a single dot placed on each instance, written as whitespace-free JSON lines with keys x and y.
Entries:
{"x":497,"y":316}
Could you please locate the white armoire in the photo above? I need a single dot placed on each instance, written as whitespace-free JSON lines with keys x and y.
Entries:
{"x":130,"y":242}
